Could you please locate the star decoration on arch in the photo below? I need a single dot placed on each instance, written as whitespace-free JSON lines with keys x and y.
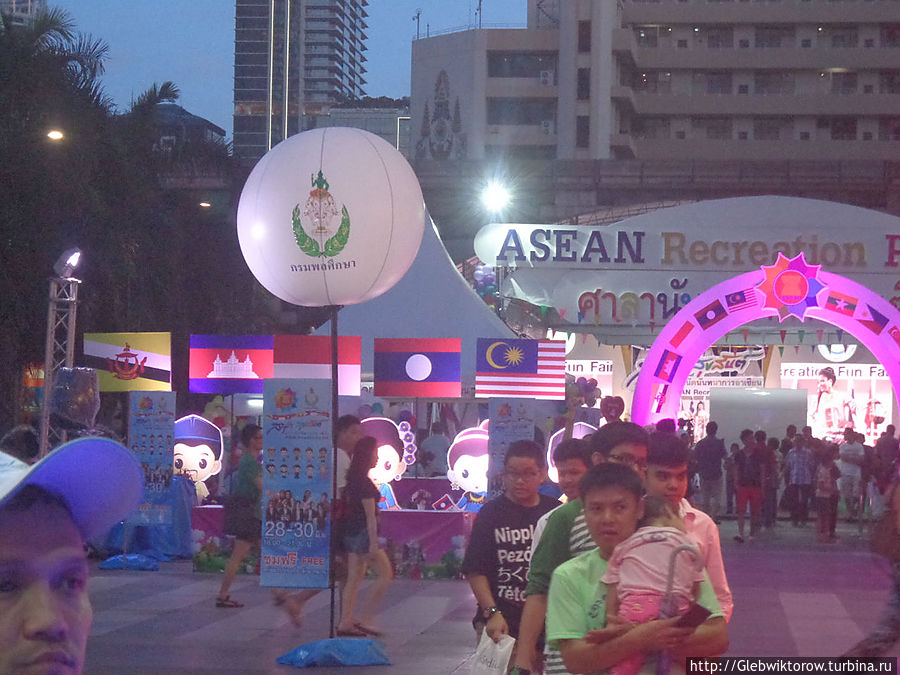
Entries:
{"x":791,"y":286}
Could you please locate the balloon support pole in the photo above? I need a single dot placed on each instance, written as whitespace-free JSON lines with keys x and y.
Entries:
{"x":332,"y":582}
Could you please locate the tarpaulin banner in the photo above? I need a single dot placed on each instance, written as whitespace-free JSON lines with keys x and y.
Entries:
{"x":151,"y":425}
{"x":297,"y":466}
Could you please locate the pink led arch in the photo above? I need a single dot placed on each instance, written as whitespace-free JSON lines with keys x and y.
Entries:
{"x":790,"y":287}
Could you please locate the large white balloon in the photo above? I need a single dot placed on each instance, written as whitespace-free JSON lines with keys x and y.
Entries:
{"x":331,"y":217}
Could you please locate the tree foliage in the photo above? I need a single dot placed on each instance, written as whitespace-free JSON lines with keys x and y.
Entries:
{"x":153,"y":260}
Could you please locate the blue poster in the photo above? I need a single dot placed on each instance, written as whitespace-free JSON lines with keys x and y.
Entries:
{"x":151,"y":425}
{"x":512,"y":419}
{"x":297,"y":466}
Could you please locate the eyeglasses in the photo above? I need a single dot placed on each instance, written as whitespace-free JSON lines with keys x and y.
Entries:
{"x":630,"y":460}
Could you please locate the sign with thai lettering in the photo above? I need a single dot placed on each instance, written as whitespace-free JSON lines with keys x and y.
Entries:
{"x":642,"y":270}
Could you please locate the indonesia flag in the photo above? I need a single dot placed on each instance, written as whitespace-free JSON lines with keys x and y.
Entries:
{"x":521,"y":369}
{"x":419,"y":367}
{"x":309,"y":357}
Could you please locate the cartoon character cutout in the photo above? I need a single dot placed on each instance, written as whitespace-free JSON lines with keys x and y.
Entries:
{"x":467,"y":458}
{"x":396,"y":451}
{"x":198,"y":451}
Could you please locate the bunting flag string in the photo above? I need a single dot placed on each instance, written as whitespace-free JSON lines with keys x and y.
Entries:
{"x":783,"y":334}
{"x":820,"y":334}
{"x":746,"y":334}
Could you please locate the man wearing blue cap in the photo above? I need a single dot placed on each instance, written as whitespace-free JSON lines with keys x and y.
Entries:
{"x":47,"y":513}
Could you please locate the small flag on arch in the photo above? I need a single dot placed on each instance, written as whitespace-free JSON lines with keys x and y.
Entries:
{"x":521,"y":369}
{"x":710,"y":315}
{"x":309,"y":357}
{"x":423,"y":367}
{"x":872,"y":319}
{"x":840,"y":303}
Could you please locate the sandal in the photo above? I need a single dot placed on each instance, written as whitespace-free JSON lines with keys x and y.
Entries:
{"x":351,"y":633}
{"x":368,"y":631}
{"x":228,"y":602}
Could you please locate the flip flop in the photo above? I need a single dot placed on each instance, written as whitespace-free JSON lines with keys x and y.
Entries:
{"x":352,"y":633}
{"x":228,"y":602}
{"x":368,"y":631}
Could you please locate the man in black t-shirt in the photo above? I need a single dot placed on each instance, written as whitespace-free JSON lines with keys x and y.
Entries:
{"x":496,"y":561}
{"x":709,"y":453}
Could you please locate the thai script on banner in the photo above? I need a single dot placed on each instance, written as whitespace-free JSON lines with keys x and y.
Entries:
{"x":151,"y":426}
{"x":511,"y":420}
{"x":297,"y":474}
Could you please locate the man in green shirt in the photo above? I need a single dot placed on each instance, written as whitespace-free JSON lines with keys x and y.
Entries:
{"x":576,"y":603}
{"x":567,"y":536}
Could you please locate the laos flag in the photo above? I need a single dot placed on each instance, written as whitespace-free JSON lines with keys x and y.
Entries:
{"x":418,"y":367}
{"x":230,"y":364}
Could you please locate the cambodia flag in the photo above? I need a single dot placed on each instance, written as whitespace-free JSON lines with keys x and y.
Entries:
{"x":421,"y":367}
{"x":230,"y":364}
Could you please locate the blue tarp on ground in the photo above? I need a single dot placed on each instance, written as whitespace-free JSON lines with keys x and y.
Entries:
{"x":169,"y":540}
{"x":337,"y":652}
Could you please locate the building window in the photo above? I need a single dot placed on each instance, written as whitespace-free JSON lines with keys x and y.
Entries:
{"x":889,"y":82}
{"x":804,"y":135}
{"x":524,"y":111}
{"x":890,"y":36}
{"x":769,"y":128}
{"x":712,"y":83}
{"x":584,"y":36}
{"x":742,"y":135}
{"x":773,"y":83}
{"x":520,"y":64}
{"x":720,"y":37}
{"x":889,"y":129}
{"x":646,"y":36}
{"x":844,"y":36}
{"x":843,"y":83}
{"x":652,"y":127}
{"x":682,"y":44}
{"x":843,"y":129}
{"x":773,"y":36}
{"x":583,"y":84}
{"x":582,"y":131}
{"x":680,"y":135}
{"x":717,"y":128}
{"x":654,"y":82}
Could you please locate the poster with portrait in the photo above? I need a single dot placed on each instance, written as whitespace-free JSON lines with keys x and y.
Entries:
{"x":512,"y":419}
{"x":841,"y":395}
{"x":151,"y":425}
{"x":296,"y":498}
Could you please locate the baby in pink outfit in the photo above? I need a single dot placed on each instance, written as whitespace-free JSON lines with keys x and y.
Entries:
{"x":638,"y":572}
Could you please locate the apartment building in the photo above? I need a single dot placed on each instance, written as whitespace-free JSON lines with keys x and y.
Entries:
{"x":666,"y":79}
{"x":293,"y":59}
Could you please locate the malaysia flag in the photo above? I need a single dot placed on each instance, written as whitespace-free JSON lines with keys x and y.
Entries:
{"x":521,"y":369}
{"x":741,"y":299}
{"x":309,"y":357}
{"x":229,"y":364}
{"x":418,"y":367}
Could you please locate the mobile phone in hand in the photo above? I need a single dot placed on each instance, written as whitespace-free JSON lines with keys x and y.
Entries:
{"x":695,"y":615}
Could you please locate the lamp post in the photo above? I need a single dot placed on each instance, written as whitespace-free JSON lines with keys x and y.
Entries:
{"x":59,"y":349}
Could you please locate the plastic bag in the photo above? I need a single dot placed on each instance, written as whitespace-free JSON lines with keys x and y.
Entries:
{"x":337,"y":652}
{"x":492,"y":658}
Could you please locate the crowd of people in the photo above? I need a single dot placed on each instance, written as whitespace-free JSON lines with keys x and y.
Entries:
{"x":764,"y":475}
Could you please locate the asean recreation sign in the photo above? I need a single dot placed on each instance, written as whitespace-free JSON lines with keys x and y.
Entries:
{"x":641,"y":270}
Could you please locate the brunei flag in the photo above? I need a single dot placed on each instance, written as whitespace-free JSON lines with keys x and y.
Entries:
{"x":418,"y":367}
{"x":230,"y":364}
{"x":130,"y":361}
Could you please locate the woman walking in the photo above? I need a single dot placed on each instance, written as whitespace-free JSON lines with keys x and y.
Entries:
{"x":360,"y":540}
{"x":243,"y":510}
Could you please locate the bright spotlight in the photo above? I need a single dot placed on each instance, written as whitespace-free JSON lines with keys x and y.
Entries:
{"x":67,"y":262}
{"x":495,"y":196}
{"x":55,"y":135}
{"x":205,"y":205}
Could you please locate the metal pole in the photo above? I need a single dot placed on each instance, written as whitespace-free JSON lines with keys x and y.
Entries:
{"x":334,"y":456}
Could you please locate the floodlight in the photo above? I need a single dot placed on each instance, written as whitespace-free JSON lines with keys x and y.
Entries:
{"x":67,"y":262}
{"x":495,"y":196}
{"x":55,"y":135}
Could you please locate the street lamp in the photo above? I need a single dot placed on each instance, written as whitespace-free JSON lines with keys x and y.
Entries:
{"x":495,"y":196}
{"x":55,"y":135}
